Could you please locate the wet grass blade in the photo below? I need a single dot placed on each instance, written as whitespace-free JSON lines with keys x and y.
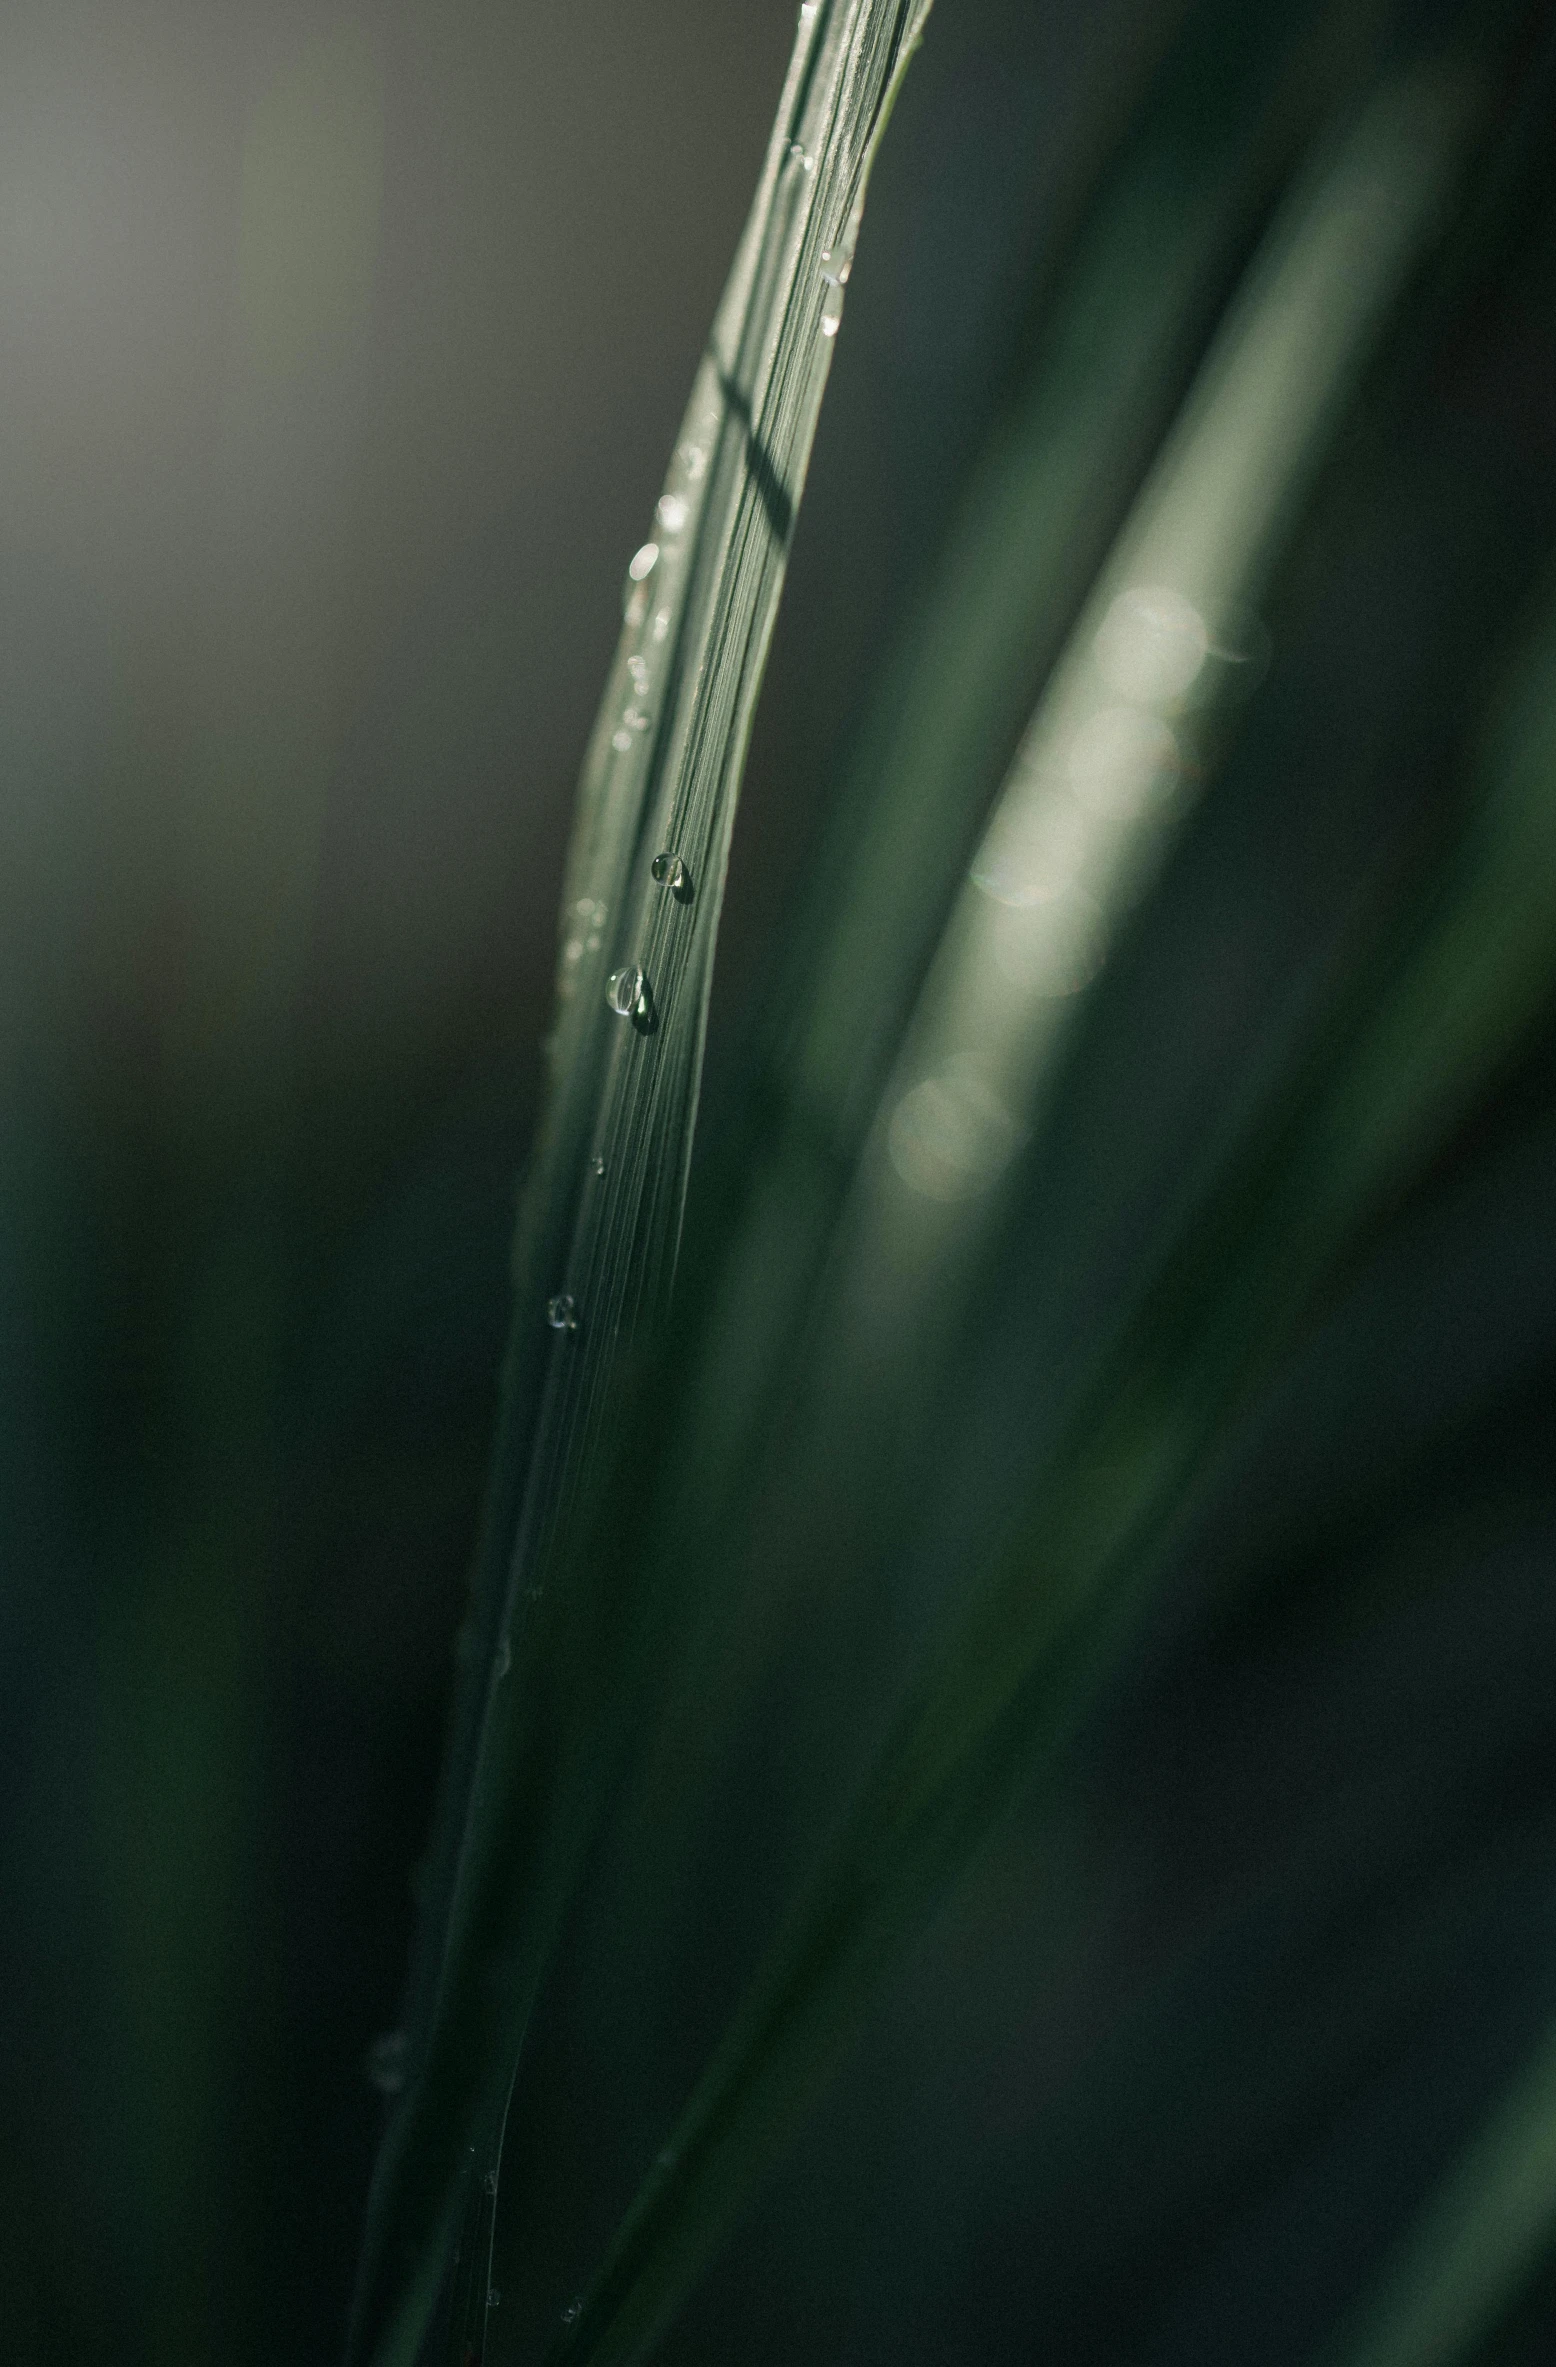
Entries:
{"x":600,"y":1217}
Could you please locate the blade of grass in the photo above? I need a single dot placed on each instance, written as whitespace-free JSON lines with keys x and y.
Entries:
{"x":600,"y":1219}
{"x":1111,"y":764}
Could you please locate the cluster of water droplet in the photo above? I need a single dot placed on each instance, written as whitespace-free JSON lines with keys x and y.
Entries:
{"x":836,"y":264}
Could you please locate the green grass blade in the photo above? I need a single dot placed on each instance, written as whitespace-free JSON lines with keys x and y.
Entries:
{"x":600,"y":1219}
{"x":1162,"y":246}
{"x":1109,"y":768}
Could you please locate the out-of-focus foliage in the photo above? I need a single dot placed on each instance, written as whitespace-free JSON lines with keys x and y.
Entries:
{"x":1047,"y":1844}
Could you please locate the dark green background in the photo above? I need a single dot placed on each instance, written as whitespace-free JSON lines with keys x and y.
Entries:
{"x":300,"y":637}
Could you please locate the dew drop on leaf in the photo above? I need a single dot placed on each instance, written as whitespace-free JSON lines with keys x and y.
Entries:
{"x":836,"y":264}
{"x":562,"y":1311}
{"x":671,"y":873}
{"x":634,"y":597}
{"x":623,"y":992}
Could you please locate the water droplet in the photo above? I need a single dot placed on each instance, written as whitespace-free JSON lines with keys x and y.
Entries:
{"x":493,"y":2297}
{"x":661,"y":624}
{"x":489,"y":2182}
{"x":836,"y":265}
{"x":637,"y":667}
{"x":799,"y":157}
{"x":624,"y":993}
{"x":621,"y":741}
{"x":386,"y":2062}
{"x":635,"y":719}
{"x":672,"y":512}
{"x":671,"y":873}
{"x":634,"y":597}
{"x":693,"y":459}
{"x":572,"y":2313}
{"x":504,"y":1660}
{"x":562,"y":1311}
{"x":596,"y":1165}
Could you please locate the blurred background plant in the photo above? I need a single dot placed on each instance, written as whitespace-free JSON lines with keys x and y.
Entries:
{"x":1086,"y":1782}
